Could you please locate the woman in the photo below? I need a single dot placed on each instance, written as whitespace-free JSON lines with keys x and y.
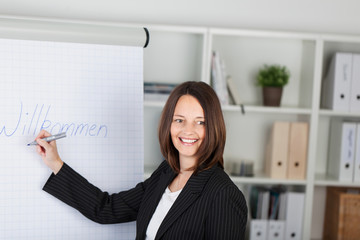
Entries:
{"x":189,"y":196}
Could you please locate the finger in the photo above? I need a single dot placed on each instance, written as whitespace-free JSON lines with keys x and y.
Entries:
{"x":41,"y":151}
{"x":38,"y":149}
{"x":43,"y":143}
{"x":43,"y":134}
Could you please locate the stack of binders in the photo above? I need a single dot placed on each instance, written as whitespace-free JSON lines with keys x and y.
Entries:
{"x":341,"y":86}
{"x":276,"y":215}
{"x":286,"y":152}
{"x":344,"y":153}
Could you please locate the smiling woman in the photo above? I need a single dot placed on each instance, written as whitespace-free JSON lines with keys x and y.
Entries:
{"x":200,"y":104}
{"x":188,"y":197}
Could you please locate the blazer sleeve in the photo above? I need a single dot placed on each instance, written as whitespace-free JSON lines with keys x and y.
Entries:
{"x":228,"y":215}
{"x":74,"y":190}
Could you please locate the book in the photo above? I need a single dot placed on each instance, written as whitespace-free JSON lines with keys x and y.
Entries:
{"x":154,"y":91}
{"x":218,"y":78}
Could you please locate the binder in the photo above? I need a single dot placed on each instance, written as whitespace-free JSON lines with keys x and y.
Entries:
{"x":265,"y":199}
{"x":342,"y":150}
{"x":276,"y":229}
{"x":337,"y":83}
{"x":258,"y":229}
{"x":277,"y":150}
{"x":274,"y":205}
{"x":282,"y":208}
{"x":298,"y":144}
{"x":294,"y":215}
{"x":355,"y":84}
{"x":357,"y":155}
{"x":262,"y":205}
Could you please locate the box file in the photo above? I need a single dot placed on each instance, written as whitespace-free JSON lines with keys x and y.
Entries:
{"x":258,"y":229}
{"x":342,"y":150}
{"x":337,"y":83}
{"x":276,"y":158}
{"x":261,"y":229}
{"x":298,"y":144}
{"x":294,"y":215}
{"x":355,"y":84}
{"x":276,"y":229}
{"x":357,"y":155}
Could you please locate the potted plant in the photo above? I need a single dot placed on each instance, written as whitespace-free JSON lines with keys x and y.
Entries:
{"x":272,"y":78}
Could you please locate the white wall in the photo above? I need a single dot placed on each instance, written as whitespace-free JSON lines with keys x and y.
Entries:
{"x":324,"y":16}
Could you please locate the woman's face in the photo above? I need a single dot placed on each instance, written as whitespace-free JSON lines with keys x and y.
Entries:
{"x":188,"y":128}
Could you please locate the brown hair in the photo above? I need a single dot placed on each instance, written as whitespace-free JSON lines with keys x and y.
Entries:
{"x":211,"y":150}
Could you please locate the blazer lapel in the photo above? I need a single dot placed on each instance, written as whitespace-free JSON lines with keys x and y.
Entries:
{"x":188,"y":195}
{"x":164,"y":180}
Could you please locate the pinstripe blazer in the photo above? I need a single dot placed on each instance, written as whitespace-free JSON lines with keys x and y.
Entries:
{"x":209,"y":207}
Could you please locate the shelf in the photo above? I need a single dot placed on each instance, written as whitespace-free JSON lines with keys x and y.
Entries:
{"x":330,"y":113}
{"x":248,"y":109}
{"x":264,"y":180}
{"x":259,"y":179}
{"x":321,"y":179}
{"x":261,"y":109}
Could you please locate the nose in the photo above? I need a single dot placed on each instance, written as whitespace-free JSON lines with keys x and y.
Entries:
{"x":188,"y":127}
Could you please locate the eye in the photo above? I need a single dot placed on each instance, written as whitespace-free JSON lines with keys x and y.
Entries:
{"x":200,"y":122}
{"x":178,"y":120}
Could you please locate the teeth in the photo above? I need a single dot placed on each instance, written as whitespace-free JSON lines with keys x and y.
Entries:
{"x":188,"y":140}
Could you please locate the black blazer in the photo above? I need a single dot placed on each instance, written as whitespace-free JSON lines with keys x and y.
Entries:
{"x":209,"y":207}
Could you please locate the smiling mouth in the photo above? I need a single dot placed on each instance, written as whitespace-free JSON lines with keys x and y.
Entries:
{"x":188,"y":140}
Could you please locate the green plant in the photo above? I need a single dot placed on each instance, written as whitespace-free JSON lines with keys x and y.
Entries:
{"x":273,"y":76}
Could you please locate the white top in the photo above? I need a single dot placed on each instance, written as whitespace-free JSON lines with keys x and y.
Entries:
{"x":166,"y":201}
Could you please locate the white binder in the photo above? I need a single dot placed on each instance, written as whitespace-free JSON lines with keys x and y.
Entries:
{"x":357,"y":155}
{"x":282,"y":206}
{"x":258,"y":229}
{"x":337,"y":83}
{"x":265,"y":200}
{"x":276,"y":229}
{"x":294,"y":215}
{"x":355,"y":84}
{"x":342,"y":150}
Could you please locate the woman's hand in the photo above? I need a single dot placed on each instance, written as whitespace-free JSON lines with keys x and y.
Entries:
{"x":48,"y":152}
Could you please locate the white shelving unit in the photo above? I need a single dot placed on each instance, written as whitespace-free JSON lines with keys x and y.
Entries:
{"x":244,"y":52}
{"x":178,"y":53}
